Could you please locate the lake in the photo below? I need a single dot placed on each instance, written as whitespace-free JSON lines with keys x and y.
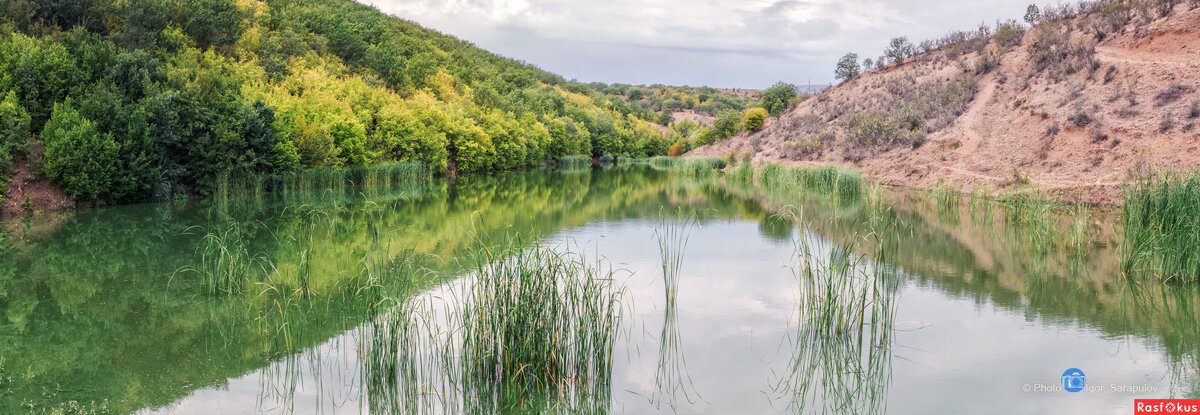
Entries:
{"x":732,"y":296}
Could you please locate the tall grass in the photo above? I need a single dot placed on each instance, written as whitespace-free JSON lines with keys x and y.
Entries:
{"x":671,"y":378}
{"x":843,"y":184}
{"x":226,"y":265}
{"x":529,"y":320}
{"x":574,"y":162}
{"x":323,"y":178}
{"x":842,"y":352}
{"x":1161,"y":227}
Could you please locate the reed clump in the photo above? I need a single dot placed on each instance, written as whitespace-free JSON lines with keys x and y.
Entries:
{"x":324,"y":178}
{"x":529,"y":320}
{"x":1161,"y":227}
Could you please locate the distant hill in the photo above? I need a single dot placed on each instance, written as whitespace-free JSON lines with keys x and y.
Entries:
{"x":1088,"y":96}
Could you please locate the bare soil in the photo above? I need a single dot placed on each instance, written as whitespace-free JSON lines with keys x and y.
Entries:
{"x":1006,"y":135}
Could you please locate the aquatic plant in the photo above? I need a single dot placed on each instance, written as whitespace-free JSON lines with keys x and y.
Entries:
{"x":574,"y":162}
{"x":842,"y":345}
{"x":1161,"y":227}
{"x":226,"y":264}
{"x":671,"y":378}
{"x":528,"y":320}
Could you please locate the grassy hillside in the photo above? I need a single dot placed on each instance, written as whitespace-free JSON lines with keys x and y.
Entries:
{"x":1078,"y":100}
{"x":131,"y":100}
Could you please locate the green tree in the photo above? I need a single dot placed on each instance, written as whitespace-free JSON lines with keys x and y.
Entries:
{"x":778,"y":98}
{"x":1032,"y":14}
{"x":77,"y":157}
{"x":14,"y":130}
{"x":214,"y":22}
{"x":754,"y":119}
{"x":899,"y":49}
{"x":847,"y":67}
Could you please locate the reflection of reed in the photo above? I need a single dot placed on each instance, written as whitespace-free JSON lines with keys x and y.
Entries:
{"x":1177,"y":310}
{"x":532,"y":328}
{"x":671,"y":379}
{"x":841,"y":359}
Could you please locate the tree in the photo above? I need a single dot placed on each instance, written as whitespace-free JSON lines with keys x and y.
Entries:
{"x":847,"y":67}
{"x":77,"y":157}
{"x":754,"y":119}
{"x":899,"y":49}
{"x":14,"y":129}
{"x":868,"y":64}
{"x":214,"y":22}
{"x":778,"y":98}
{"x":1032,"y":14}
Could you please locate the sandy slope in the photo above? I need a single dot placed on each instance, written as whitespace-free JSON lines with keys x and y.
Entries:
{"x":1003,"y":134}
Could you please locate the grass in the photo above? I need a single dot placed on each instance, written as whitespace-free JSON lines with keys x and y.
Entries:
{"x":324,"y":178}
{"x":529,"y":320}
{"x":574,"y":162}
{"x":1161,"y":227}
{"x":671,"y":378}
{"x":842,"y":345}
{"x":226,"y":264}
{"x":844,"y":184}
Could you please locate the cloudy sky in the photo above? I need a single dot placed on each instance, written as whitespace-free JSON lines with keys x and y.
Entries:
{"x":721,"y":43}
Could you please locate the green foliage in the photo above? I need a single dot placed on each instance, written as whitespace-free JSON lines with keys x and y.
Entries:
{"x":754,"y":119}
{"x":847,"y":67}
{"x":14,"y":129}
{"x":1161,"y":229}
{"x":77,"y":156}
{"x":193,"y":91}
{"x":778,"y":98}
{"x":898,"y":49}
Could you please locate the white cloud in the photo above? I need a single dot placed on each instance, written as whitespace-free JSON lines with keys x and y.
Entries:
{"x":712,"y":42}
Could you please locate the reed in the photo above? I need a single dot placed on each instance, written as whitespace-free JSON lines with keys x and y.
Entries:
{"x":226,"y":265}
{"x":322,"y":178}
{"x":529,"y":320}
{"x":671,"y":378}
{"x":574,"y":162}
{"x":1161,"y":227}
{"x":841,"y":358}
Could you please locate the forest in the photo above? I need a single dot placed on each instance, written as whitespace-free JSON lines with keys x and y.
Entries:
{"x":122,"y":101}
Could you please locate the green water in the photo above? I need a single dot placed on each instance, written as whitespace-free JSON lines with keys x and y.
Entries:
{"x":102,"y":315}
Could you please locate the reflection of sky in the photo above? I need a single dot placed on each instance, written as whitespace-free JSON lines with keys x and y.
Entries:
{"x":736,"y":302}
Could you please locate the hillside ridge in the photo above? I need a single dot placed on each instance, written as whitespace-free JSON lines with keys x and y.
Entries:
{"x":1073,"y":108}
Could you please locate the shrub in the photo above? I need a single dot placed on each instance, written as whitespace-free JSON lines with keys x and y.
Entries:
{"x":1194,"y":110}
{"x":1173,"y":92}
{"x":988,"y":59}
{"x":1167,"y":123}
{"x":1009,"y":34}
{"x":778,"y":98}
{"x":77,"y":157}
{"x":14,"y":129}
{"x":754,"y":119}
{"x":1081,"y":117}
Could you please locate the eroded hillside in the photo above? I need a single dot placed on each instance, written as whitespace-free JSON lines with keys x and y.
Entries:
{"x":1088,"y":97}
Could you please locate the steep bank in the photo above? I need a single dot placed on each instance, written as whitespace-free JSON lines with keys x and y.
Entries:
{"x":1085,"y":99}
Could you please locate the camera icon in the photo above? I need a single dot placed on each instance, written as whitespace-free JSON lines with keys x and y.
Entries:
{"x":1073,"y":380}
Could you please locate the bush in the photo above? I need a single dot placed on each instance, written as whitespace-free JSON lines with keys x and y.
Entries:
{"x":778,"y":98}
{"x":1173,"y":92}
{"x":77,"y":157}
{"x":754,"y":119}
{"x":14,"y":129}
{"x":1009,"y":34}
